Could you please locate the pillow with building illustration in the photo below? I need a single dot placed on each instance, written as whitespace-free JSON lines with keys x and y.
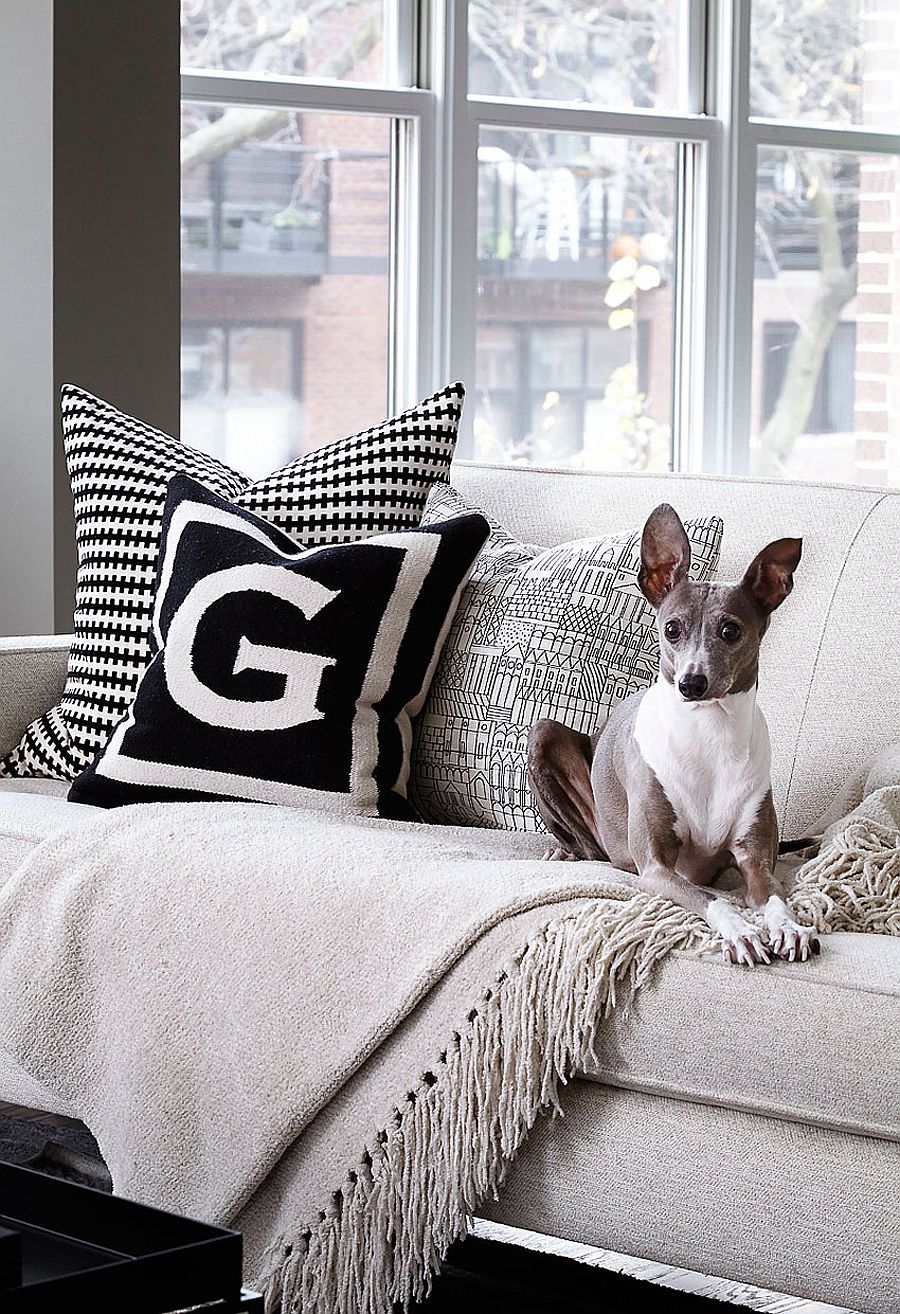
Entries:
{"x":562,"y":632}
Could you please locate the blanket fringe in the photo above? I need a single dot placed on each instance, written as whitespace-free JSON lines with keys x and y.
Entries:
{"x":449,"y":1144}
{"x":854,"y":883}
{"x":451,"y":1141}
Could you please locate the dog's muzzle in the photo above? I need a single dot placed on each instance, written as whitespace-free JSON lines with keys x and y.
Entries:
{"x":693,"y":687}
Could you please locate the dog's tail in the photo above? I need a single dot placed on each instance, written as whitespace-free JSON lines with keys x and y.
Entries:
{"x":793,"y":846}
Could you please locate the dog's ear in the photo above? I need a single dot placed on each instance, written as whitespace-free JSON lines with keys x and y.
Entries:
{"x":665,"y":554}
{"x":770,"y":576}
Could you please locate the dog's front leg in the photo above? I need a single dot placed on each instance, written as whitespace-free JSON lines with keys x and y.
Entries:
{"x":787,"y":938}
{"x":741,"y":941}
{"x":755,"y":854}
{"x":654,"y":848}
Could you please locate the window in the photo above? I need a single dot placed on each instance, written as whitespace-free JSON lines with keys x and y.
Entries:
{"x":560,"y":392}
{"x":615,"y":55}
{"x":819,"y":249}
{"x":577,"y":228}
{"x":832,"y":405}
{"x":240,"y":391}
{"x":286,"y":232}
{"x":648,"y":234}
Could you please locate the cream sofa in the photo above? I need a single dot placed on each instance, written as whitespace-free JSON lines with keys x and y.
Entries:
{"x":742,"y":1123}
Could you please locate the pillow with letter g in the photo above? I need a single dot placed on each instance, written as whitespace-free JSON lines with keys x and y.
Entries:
{"x":282,"y":674}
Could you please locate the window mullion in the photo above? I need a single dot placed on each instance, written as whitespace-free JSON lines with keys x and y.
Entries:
{"x":414,"y":327}
{"x":213,"y":87}
{"x":815,"y":137}
{"x":454,"y":213}
{"x":731,"y":251}
{"x":400,"y":37}
{"x":690,"y":367}
{"x":554,"y":116}
{"x":691,"y":57}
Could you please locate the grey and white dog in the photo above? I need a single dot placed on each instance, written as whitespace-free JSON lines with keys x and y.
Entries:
{"x":676,"y":786}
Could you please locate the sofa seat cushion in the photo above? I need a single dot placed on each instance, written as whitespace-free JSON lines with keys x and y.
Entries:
{"x":796,"y":1209}
{"x":30,"y":810}
{"x":807,"y":1042}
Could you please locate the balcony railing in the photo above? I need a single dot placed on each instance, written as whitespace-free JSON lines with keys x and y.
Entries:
{"x":266,"y":209}
{"x":544,"y":221}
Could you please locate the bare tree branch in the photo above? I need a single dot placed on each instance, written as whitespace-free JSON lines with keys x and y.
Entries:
{"x":238,"y":125}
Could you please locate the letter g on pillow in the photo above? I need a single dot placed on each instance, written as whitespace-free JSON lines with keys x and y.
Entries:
{"x":302,"y":671}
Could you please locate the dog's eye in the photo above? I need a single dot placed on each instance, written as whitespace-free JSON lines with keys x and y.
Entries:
{"x":730,"y":632}
{"x":672,"y":630}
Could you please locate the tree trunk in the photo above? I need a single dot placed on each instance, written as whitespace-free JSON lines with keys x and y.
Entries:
{"x":804,"y":366}
{"x":807,"y":355}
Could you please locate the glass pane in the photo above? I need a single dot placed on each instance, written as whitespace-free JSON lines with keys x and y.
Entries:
{"x":574,"y":300}
{"x":284,"y":257}
{"x":342,"y":39}
{"x":621,"y":53}
{"x":834,"y":62}
{"x":826,"y":317}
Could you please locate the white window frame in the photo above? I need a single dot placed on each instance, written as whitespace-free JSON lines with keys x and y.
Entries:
{"x":434,"y":201}
{"x":743,"y":137}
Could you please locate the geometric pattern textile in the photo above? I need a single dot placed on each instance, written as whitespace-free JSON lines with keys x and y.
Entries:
{"x":283,"y":674}
{"x":119,"y":467}
{"x":562,"y":632}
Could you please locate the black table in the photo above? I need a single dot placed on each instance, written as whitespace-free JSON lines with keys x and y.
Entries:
{"x":68,"y":1246}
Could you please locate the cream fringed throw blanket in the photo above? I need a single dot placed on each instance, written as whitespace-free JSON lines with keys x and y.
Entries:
{"x":324,"y":1035}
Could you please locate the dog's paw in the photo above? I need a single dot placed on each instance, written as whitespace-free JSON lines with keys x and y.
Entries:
{"x":787,"y":939}
{"x":559,"y":854}
{"x":742,"y":943}
{"x":746,"y":949}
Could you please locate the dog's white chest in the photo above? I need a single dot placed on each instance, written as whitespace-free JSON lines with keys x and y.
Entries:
{"x":711,"y":759}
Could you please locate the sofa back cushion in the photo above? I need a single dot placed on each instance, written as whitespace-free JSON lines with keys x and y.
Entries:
{"x":830,"y":663}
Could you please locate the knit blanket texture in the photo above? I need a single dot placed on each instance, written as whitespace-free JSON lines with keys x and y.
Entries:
{"x":334,"y":1035}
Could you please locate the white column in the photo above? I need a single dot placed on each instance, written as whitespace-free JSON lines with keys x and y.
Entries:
{"x":28,"y":411}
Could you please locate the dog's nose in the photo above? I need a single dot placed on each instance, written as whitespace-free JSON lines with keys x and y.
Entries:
{"x":693,"y":686}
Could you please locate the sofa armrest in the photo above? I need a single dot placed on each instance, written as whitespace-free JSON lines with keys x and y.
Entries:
{"x":32,"y":676}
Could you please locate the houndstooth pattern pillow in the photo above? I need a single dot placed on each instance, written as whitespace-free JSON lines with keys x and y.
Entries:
{"x":374,"y":482}
{"x":562,"y":632}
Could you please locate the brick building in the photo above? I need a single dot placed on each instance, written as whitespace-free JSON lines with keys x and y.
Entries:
{"x":285,"y":293}
{"x":877,"y":400}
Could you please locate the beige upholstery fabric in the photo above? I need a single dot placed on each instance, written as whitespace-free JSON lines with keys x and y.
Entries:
{"x":799,"y":1040}
{"x":32,"y":676}
{"x":856,"y":690}
{"x":30,"y":810}
{"x":830,"y":664}
{"x":723,"y":1192}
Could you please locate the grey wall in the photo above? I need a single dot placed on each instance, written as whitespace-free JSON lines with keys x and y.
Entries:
{"x":116,"y":284}
{"x":27,"y":410}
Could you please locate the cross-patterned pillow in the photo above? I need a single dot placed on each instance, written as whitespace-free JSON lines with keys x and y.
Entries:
{"x":372,"y":483}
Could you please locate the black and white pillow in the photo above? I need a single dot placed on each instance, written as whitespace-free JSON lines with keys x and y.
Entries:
{"x":562,"y":632}
{"x":372,"y":483}
{"x":283,"y":675}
